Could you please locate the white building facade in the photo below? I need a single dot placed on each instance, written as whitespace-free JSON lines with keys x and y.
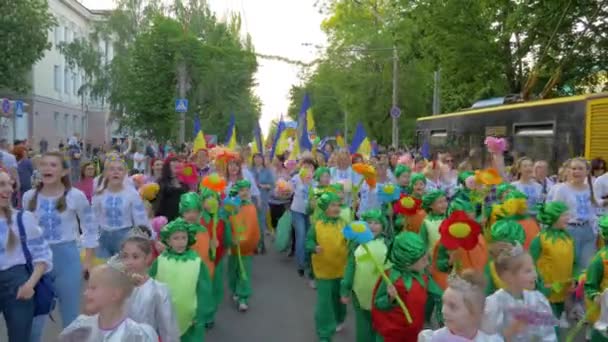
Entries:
{"x":53,"y":110}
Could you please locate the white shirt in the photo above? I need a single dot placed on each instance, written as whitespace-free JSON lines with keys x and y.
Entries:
{"x":150,"y":303}
{"x":59,"y":227}
{"x":139,"y":161}
{"x":600,"y":188}
{"x":534,"y":192}
{"x":444,"y":334}
{"x":8,"y":160}
{"x":368,"y":198}
{"x":301,"y":193}
{"x":37,"y":245}
{"x":86,"y":329}
{"x":119,"y":210}
{"x":578,"y":201}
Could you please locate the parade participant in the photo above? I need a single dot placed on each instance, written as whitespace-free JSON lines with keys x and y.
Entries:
{"x":117,"y":207}
{"x":17,"y":304}
{"x":516,"y":268}
{"x":322,"y":177}
{"x":496,"y":210}
{"x":553,"y":254}
{"x":402,"y":175}
{"x":360,"y":274}
{"x":409,"y":260}
{"x":246,"y":236}
{"x":417,"y":189}
{"x":221,"y":241}
{"x":433,"y":176}
{"x":106,"y":296}
{"x":190,"y":210}
{"x":524,"y":175}
{"x":343,"y":173}
{"x":186,"y":275}
{"x":302,"y":185}
{"x":368,"y":197}
{"x":326,"y":241}
{"x":515,"y":208}
{"x":61,"y":210}
{"x":150,"y":301}
{"x":435,"y":204}
{"x":596,"y":281}
{"x":503,"y":231}
{"x":463,"y":307}
{"x":171,"y":189}
{"x":265,"y":181}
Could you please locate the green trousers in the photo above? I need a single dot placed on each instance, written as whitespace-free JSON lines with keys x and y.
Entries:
{"x":363,"y":320}
{"x":196,"y":333}
{"x":240,"y":286}
{"x":217,"y":286}
{"x":597,"y":336}
{"x":329,"y":311}
{"x":558,"y":309}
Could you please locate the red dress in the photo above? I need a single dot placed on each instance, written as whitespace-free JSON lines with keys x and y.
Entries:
{"x":221,"y":244}
{"x":391,"y":324}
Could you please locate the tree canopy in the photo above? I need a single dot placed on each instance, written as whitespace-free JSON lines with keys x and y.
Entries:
{"x":152,"y":40}
{"x":534,"y":48}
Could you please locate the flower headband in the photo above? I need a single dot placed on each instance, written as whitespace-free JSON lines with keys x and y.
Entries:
{"x":113,"y":157}
{"x":460,"y":284}
{"x":516,"y":251}
{"x":116,"y":264}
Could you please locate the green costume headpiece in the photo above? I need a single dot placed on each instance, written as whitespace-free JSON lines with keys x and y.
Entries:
{"x":401,"y":169}
{"x":178,"y":225}
{"x":516,"y":194}
{"x":415,"y":177}
{"x":326,"y":199}
{"x":189,"y":201}
{"x":549,"y":213}
{"x":337,"y":187}
{"x":430,"y":197}
{"x":317,"y":192}
{"x":502,"y":188}
{"x":241,"y":184}
{"x":320,"y":172}
{"x":462,"y":177}
{"x":206,"y":194}
{"x":603,"y":223}
{"x":460,"y":204}
{"x":406,"y":249}
{"x":375,"y":215}
{"x":507,"y":231}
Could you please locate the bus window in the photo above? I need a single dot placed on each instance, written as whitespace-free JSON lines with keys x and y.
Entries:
{"x":536,"y":141}
{"x":438,"y":139}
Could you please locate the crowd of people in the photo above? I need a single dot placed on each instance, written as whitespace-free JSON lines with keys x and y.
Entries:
{"x":424,"y":249}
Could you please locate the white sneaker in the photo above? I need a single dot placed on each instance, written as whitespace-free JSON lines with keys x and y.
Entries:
{"x":235,"y":298}
{"x":312,"y":284}
{"x":340,"y":327}
{"x":243,"y":307}
{"x":563,"y":321}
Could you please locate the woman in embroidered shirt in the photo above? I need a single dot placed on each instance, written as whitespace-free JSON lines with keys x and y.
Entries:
{"x":118,"y":208}
{"x":525,"y":182}
{"x":16,"y":303}
{"x":61,"y":210}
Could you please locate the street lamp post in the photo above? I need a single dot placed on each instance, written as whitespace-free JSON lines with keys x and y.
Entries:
{"x":395,"y":86}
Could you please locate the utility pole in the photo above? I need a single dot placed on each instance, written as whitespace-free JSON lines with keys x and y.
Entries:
{"x":436,"y":92}
{"x":182,"y":85}
{"x":345,"y":125}
{"x":395,"y":94}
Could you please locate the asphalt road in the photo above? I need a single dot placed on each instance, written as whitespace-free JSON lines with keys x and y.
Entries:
{"x":281,"y":309}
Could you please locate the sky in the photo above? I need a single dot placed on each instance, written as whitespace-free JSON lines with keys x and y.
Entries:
{"x":277,"y":27}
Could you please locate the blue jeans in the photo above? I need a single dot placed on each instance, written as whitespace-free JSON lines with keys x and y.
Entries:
{"x":262,"y":210}
{"x":18,"y":314}
{"x":301,"y":225}
{"x":110,"y":242}
{"x":67,"y":274}
{"x":584,"y":243}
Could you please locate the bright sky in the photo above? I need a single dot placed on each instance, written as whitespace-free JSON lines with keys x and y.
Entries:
{"x":277,"y":27}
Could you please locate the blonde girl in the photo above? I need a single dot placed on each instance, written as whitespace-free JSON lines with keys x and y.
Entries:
{"x":524,"y":182}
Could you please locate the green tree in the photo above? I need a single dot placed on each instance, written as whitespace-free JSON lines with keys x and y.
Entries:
{"x":23,"y":41}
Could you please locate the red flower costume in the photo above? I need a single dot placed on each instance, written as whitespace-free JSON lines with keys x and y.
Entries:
{"x":222,"y":236}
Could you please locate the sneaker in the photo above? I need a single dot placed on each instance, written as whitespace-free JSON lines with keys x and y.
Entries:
{"x":340,"y":327}
{"x":243,"y":307}
{"x":235,"y":298}
{"x":563,"y":321}
{"x":301,"y":272}
{"x":312,"y":284}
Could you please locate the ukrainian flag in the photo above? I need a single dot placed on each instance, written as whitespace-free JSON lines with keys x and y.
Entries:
{"x":360,"y":143}
{"x":307,"y":123}
{"x":231,"y":136}
{"x":199,"y":137}
{"x":256,"y":144}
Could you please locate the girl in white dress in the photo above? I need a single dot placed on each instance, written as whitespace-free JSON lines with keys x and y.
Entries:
{"x":463,"y":306}
{"x":106,"y":296}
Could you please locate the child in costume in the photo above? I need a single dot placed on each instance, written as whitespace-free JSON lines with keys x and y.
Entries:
{"x":246,"y":235}
{"x":596,"y":282}
{"x":409,"y":260}
{"x":106,"y":295}
{"x":435,"y":204}
{"x":186,"y":275}
{"x":221,"y":241}
{"x":553,"y":254}
{"x":503,"y":231}
{"x":150,"y":301}
{"x":515,"y":207}
{"x":360,"y":275}
{"x":416,"y":188}
{"x":346,"y":212}
{"x":495,"y":213}
{"x":402,"y":176}
{"x":516,"y":268}
{"x":328,"y":245}
{"x":463,"y":307}
{"x":190,"y":210}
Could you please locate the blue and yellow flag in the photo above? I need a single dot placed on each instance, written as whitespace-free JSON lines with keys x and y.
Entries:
{"x":340,"y":140}
{"x":277,"y":136}
{"x":231,"y":136}
{"x":307,"y":123}
{"x":360,"y":143}
{"x":256,"y":144}
{"x":199,"y":137}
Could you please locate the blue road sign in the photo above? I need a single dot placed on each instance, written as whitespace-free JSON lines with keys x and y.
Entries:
{"x":181,"y":105}
{"x":6,"y":106}
{"x":395,"y":112}
{"x":18,"y":108}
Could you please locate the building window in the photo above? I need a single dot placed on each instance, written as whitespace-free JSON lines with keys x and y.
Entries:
{"x":75,"y":124}
{"x":58,"y":34}
{"x":66,"y":35}
{"x":66,"y":80}
{"x":66,"y":125}
{"x":76,"y":83}
{"x":57,"y":123}
{"x":57,"y":78}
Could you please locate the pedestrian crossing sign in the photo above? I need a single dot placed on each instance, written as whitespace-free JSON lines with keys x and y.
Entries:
{"x":181,"y":105}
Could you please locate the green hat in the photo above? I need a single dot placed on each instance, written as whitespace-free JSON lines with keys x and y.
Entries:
{"x":189,"y":201}
{"x":178,"y":225}
{"x":507,"y":231}
{"x":375,"y":215}
{"x":241,"y":184}
{"x":515,"y":194}
{"x":326,"y":199}
{"x":430,"y":197}
{"x":320,"y":172}
{"x":206,"y":193}
{"x":549,"y":213}
{"x":406,"y":249}
{"x":417,"y":177}
{"x":460,"y":204}
{"x":462,"y":177}
{"x":502,"y":188}
{"x":603,"y":223}
{"x":401,"y":169}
